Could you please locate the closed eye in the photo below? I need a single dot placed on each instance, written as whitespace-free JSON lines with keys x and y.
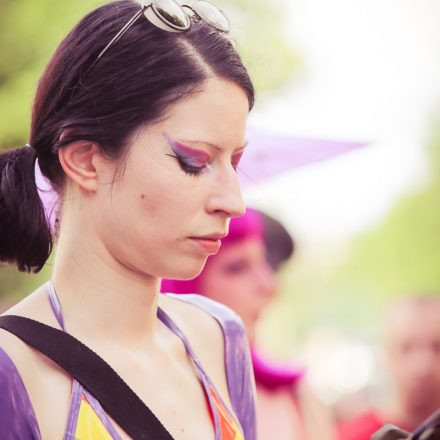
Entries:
{"x":236,"y":267}
{"x":192,"y":170}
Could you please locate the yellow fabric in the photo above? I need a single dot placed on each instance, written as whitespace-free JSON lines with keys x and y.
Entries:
{"x":228,"y":427}
{"x":89,"y":426}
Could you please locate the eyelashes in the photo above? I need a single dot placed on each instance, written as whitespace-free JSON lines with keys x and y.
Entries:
{"x":186,"y":167}
{"x":191,"y":161}
{"x":194,"y":162}
{"x":236,"y":267}
{"x":196,"y":171}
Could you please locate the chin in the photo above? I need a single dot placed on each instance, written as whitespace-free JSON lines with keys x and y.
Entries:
{"x":185,"y":270}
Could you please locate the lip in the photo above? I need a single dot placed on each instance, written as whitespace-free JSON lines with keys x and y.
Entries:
{"x":208,"y":244}
{"x":213,"y":236}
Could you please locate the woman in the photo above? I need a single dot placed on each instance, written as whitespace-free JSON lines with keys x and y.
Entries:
{"x":138,"y":123}
{"x":242,"y":276}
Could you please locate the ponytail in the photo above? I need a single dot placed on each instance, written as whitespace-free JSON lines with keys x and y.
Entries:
{"x":25,"y":238}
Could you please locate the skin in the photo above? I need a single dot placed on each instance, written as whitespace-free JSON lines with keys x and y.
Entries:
{"x":240,"y":277}
{"x":413,"y":354}
{"x":117,"y":240}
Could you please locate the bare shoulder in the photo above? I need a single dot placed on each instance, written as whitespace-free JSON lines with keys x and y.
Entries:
{"x":215,"y":311}
{"x":200,"y":327}
{"x":34,"y":306}
{"x":17,"y":350}
{"x":204,"y":334}
{"x":20,"y":354}
{"x":47,"y":386}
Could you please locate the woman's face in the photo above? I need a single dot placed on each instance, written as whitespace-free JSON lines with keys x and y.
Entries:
{"x":178,"y":184}
{"x":240,"y":277}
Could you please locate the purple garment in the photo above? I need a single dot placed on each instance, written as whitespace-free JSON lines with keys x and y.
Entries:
{"x":272,"y":375}
{"x":77,"y":389}
{"x":271,"y":154}
{"x":239,"y":372}
{"x":17,"y":417}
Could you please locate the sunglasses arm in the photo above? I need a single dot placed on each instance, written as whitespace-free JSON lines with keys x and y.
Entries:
{"x":126,"y":27}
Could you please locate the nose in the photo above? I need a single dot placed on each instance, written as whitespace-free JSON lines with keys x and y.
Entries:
{"x":226,"y":197}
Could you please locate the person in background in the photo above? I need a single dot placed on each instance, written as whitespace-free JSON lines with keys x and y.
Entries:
{"x":243,"y":276}
{"x":412,"y":346}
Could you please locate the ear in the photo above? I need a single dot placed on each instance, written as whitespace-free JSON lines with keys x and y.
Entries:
{"x":79,"y":161}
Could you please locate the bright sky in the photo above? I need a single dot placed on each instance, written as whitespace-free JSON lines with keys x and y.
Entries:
{"x":372,"y":72}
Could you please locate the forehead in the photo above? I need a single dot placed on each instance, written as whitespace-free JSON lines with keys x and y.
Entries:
{"x":216,"y":113}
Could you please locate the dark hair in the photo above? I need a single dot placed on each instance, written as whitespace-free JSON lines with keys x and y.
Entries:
{"x":279,"y":243}
{"x":134,"y":83}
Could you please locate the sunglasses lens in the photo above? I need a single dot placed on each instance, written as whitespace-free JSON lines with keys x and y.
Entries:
{"x":211,"y":14}
{"x":171,"y":13}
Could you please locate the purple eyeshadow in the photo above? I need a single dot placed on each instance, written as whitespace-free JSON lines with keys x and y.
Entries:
{"x":191,"y":156}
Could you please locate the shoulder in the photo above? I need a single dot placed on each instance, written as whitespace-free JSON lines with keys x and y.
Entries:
{"x":196,"y":321}
{"x":210,"y":326}
{"x":31,"y":374}
{"x":34,"y":306}
{"x":232,"y":347}
{"x":29,"y":363}
{"x":17,"y":357}
{"x":196,"y":317}
{"x":17,"y":416}
{"x":212,"y":311}
{"x":204,"y":335}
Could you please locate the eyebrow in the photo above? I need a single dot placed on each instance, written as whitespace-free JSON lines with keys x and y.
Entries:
{"x":184,"y":150}
{"x":210,"y":144}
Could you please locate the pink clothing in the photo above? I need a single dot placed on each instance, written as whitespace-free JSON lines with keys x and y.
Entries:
{"x":272,"y":375}
{"x":361,"y":428}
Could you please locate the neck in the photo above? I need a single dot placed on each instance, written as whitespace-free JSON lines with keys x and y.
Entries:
{"x":102,"y":299}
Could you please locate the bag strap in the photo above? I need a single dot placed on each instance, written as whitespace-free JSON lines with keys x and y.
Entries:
{"x":428,"y":430}
{"x":93,"y":373}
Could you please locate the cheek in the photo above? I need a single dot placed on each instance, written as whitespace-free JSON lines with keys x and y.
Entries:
{"x":160,"y":198}
{"x":153,"y":204}
{"x":137,"y":213}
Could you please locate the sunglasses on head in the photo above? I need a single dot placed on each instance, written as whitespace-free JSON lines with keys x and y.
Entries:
{"x":173,"y":17}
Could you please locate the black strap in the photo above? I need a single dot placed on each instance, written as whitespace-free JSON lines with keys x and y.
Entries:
{"x":93,"y":373}
{"x":428,"y":430}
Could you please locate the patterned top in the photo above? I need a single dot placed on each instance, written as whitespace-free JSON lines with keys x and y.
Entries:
{"x":87,"y":419}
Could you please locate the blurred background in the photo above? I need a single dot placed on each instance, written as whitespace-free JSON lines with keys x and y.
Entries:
{"x":366,"y":223}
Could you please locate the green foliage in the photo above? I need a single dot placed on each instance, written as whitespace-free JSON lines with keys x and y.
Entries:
{"x":30,"y":31}
{"x":258,"y":28}
{"x":401,"y":256}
